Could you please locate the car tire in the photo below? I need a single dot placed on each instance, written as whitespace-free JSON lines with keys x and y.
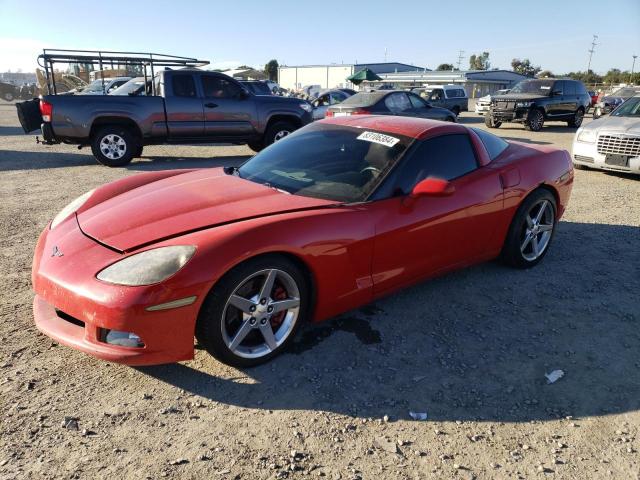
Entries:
{"x":456,"y":110}
{"x":220,"y":322}
{"x":256,"y":146}
{"x":113,"y":146}
{"x":531,"y":231}
{"x":576,"y":121}
{"x":535,"y":121}
{"x":138,"y":151}
{"x":277,"y":131}
{"x":490,"y":122}
{"x":8,"y":96}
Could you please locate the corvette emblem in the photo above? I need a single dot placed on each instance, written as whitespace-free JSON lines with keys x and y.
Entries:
{"x":56,"y":252}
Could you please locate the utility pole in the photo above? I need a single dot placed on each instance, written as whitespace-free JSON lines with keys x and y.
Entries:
{"x":632,"y":67}
{"x":593,"y":49}
{"x":385,"y":54}
{"x":460,"y":57}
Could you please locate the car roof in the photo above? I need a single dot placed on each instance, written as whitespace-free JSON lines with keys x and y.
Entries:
{"x":417,"y":128}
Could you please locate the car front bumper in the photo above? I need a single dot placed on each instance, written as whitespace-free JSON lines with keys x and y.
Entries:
{"x":481,"y":109}
{"x":76,"y":309}
{"x":587,"y":154}
{"x":518,"y":115}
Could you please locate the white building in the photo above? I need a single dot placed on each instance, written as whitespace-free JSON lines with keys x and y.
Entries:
{"x":334,"y":75}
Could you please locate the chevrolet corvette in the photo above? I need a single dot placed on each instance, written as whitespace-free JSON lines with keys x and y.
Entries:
{"x":332,"y":217}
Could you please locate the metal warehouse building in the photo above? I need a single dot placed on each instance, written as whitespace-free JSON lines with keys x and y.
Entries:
{"x":335,"y":75}
{"x":477,"y":83}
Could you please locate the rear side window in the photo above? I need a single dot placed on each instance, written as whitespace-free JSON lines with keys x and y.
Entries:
{"x":183,"y":86}
{"x":397,"y":102}
{"x":493,"y":144}
{"x":446,"y":157}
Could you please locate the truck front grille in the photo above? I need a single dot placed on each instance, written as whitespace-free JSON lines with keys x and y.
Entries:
{"x":505,"y":105}
{"x":619,"y":145}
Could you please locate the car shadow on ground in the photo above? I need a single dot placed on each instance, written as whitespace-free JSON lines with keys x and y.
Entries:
{"x":472,"y":345}
{"x":45,"y":159}
{"x":7,"y":131}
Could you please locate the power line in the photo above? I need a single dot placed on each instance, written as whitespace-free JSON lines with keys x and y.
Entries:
{"x":593,"y":49}
{"x":460,"y":57}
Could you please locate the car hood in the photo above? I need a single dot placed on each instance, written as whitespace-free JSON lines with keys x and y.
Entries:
{"x":518,"y":96}
{"x":184,"y":203}
{"x":613,"y":124}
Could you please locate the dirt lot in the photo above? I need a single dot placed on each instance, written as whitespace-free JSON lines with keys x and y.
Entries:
{"x":470,"y":349}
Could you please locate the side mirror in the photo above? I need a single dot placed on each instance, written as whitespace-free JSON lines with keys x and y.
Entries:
{"x":243,"y":94}
{"x":555,"y":93}
{"x":432,"y":187}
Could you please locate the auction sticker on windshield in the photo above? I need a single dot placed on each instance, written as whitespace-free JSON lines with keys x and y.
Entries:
{"x":374,"y":137}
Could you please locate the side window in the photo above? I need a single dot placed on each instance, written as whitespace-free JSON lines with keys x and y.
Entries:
{"x":397,"y":102}
{"x":183,"y":86}
{"x":437,"y":94}
{"x":416,"y":102}
{"x":337,"y":97}
{"x":580,"y":88}
{"x":218,"y":87}
{"x":558,"y":87}
{"x":493,"y":144}
{"x":461,"y":93}
{"x":570,"y":88}
{"x":446,"y":157}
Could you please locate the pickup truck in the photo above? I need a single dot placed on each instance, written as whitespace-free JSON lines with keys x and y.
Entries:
{"x":188,"y":106}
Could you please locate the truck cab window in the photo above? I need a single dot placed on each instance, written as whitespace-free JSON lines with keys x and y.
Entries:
{"x":217,"y":87}
{"x":183,"y":86}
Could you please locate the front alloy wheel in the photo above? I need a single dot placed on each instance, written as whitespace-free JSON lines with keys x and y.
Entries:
{"x":254,"y":311}
{"x":535,"y":121}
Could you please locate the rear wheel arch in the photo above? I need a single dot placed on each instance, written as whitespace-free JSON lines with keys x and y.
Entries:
{"x":127,"y":123}
{"x":283,"y":117}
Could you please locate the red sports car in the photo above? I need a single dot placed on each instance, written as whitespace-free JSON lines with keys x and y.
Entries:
{"x":339,"y":213}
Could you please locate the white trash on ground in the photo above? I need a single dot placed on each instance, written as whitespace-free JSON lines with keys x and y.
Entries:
{"x":420,"y":416}
{"x":554,"y":376}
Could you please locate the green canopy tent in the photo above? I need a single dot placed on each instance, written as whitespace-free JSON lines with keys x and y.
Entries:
{"x":362,"y":76}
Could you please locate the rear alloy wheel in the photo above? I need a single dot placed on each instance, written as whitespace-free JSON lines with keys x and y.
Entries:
{"x":277,"y":132}
{"x":531,"y":230}
{"x":490,"y":122}
{"x":113,"y":146}
{"x":576,"y":121}
{"x":535,"y":121}
{"x":254,"y":311}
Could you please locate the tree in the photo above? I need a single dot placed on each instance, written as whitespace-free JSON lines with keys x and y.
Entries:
{"x":545,"y":74}
{"x":524,"y":67}
{"x":479,"y":62}
{"x":444,"y":67}
{"x":244,"y":67}
{"x":271,"y":70}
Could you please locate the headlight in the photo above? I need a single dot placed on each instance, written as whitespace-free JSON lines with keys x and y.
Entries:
{"x":523,"y":104}
{"x":69,"y":209}
{"x":587,"y":136}
{"x":306,"y":107}
{"x":148,"y":267}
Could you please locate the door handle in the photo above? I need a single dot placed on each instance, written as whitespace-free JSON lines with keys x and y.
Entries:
{"x":211,"y":105}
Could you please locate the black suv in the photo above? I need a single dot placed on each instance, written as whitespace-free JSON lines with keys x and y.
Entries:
{"x":532,"y":102}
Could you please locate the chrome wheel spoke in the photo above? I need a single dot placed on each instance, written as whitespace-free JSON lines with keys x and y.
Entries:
{"x":526,"y":242}
{"x":535,"y":245}
{"x":269,"y":337}
{"x":241,"y":334}
{"x":529,"y":221}
{"x":545,"y":228}
{"x":543,"y":207}
{"x":241,"y":303}
{"x":282,"y":305}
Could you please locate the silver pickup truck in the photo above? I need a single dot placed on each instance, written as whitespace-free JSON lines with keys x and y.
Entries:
{"x":189,"y":106}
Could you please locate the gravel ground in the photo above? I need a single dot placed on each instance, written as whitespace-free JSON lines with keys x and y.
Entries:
{"x":470,"y":349}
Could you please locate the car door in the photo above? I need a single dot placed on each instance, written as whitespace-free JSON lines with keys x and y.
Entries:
{"x":572,"y":98}
{"x":420,"y":237}
{"x":423,"y":109}
{"x":228,"y":108}
{"x":185,"y":117}
{"x":320,"y":106}
{"x":437,"y":98}
{"x":558,"y":104}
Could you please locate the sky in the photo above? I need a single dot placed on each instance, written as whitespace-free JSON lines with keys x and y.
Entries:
{"x":554,"y":34}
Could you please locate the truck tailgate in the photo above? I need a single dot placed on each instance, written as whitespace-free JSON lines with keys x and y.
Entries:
{"x":29,"y":115}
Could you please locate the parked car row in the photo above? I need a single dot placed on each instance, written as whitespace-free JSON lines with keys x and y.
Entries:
{"x":10,"y":92}
{"x":608,"y":103}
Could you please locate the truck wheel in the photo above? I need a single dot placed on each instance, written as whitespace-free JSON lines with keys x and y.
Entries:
{"x":138,"y":151}
{"x":256,"y":146}
{"x":278,"y":131}
{"x":576,"y":121}
{"x":535,"y":121}
{"x":113,"y":146}
{"x":490,"y":122}
{"x":456,"y":110}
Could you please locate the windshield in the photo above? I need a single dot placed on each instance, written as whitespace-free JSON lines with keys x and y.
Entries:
{"x":625,"y":92}
{"x":134,"y":87}
{"x":258,"y":88}
{"x":332,"y":162}
{"x":630,"y":108}
{"x":540,"y":87}
{"x":95,"y":86}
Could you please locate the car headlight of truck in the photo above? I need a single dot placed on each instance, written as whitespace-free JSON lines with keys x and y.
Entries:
{"x":70,"y":208}
{"x":523,"y":104}
{"x":586,"y":136}
{"x":148,"y":267}
{"x":306,"y":107}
